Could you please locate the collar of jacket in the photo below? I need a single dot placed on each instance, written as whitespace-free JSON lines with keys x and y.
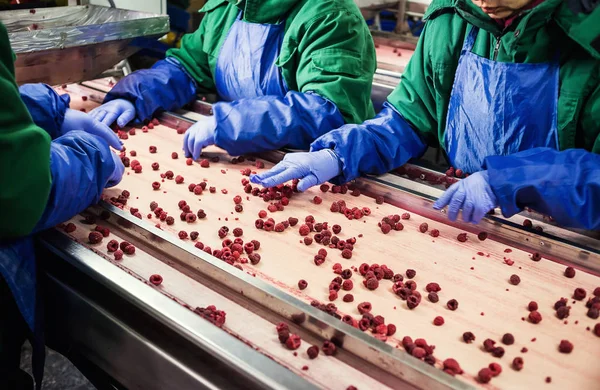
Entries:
{"x":257,"y":11}
{"x":580,"y":24}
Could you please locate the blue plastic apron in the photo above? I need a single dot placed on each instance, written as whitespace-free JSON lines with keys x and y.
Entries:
{"x":246,"y":64}
{"x":499,"y":108}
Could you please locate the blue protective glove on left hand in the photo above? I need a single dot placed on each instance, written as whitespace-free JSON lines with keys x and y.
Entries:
{"x":311,"y":168}
{"x":120,"y":110}
{"x":473,"y":195}
{"x":199,"y":136}
{"x":77,"y":120}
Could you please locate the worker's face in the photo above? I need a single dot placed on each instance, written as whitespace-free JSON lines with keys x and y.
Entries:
{"x":500,"y":9}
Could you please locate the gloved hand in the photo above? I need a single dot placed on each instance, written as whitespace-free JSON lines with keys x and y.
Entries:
{"x":199,"y":136}
{"x":77,"y":120}
{"x":473,"y":195}
{"x":311,"y":168}
{"x":121,"y":110}
{"x":81,"y":166}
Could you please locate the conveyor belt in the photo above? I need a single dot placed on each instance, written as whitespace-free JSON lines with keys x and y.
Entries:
{"x":475,"y":273}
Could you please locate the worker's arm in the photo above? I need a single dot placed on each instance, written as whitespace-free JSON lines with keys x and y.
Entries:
{"x":401,"y":131}
{"x":335,"y":66}
{"x":564,"y":185}
{"x":168,"y":85}
{"x":45,"y":106}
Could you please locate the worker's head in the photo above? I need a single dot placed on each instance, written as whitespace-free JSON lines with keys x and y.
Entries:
{"x":500,"y":9}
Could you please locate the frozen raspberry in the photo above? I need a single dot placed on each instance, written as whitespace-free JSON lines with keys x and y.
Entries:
{"x":129,"y":249}
{"x":156,"y":279}
{"x":95,"y":237}
{"x":174,"y":156}
{"x":205,"y":163}
{"x":118,"y":254}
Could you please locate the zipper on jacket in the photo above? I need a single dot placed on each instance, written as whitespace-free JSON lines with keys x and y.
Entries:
{"x":497,"y":47}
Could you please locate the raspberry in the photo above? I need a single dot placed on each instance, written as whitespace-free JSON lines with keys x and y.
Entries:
{"x":129,"y":249}
{"x":423,"y":227}
{"x":189,"y":161}
{"x":565,"y":346}
{"x":239,"y":208}
{"x":112,"y":246}
{"x":182,"y":234}
{"x":156,"y":279}
{"x":118,"y":254}
{"x":293,"y":342}
{"x":179,"y":179}
{"x":452,"y":304}
{"x":205,"y":163}
{"x":174,"y":156}
{"x":371,"y":283}
{"x":462,"y":237}
{"x":517,"y":363}
{"x":152,"y":149}
{"x":156,"y":185}
{"x":312,"y":352}
{"x":304,"y":230}
{"x":346,"y":253}
{"x":169,"y":174}
{"x":485,"y":375}
{"x":254,"y":258}
{"x":237,"y":199}
{"x":438,"y":321}
{"x":329,"y":348}
{"x":302,"y":284}
{"x":535,"y":317}
{"x":570,"y":272}
{"x":317,"y":200}
{"x":238,"y":232}
{"x":95,"y":237}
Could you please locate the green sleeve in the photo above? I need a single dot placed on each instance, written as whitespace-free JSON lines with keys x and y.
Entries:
{"x":415,"y":96}
{"x":24,"y":155}
{"x":194,"y":58}
{"x":337,"y":61}
{"x":590,"y":122}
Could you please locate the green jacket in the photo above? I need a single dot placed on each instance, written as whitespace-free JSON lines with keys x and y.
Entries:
{"x":327,"y":48}
{"x":24,"y":154}
{"x":424,"y":93}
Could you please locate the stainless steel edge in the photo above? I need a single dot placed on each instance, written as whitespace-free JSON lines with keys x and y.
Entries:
{"x":394,"y":361}
{"x":221,"y":345}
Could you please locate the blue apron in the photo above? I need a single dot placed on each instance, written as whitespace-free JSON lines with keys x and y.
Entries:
{"x":18,"y":268}
{"x":499,"y":108}
{"x":246,"y":65}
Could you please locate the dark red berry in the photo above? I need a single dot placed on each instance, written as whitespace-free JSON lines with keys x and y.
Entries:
{"x":452,"y":304}
{"x":462,"y":237}
{"x":565,"y":346}
{"x":533,"y":306}
{"x":515,"y":280}
{"x":156,"y":279}
{"x":535,"y":317}
{"x":570,"y":272}
{"x":468,"y":337}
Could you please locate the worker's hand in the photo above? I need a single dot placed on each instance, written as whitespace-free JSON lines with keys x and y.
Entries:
{"x":117,"y":175}
{"x":77,"y":120}
{"x":311,"y":168}
{"x":120,"y":110}
{"x":199,"y":136}
{"x":473,"y":195}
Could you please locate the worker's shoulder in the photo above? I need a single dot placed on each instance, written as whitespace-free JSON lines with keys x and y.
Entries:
{"x":211,"y":5}
{"x":311,"y":9}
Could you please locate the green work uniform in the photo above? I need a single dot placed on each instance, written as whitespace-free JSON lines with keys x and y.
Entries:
{"x":327,"y":48}
{"x":535,"y":36}
{"x":24,"y":154}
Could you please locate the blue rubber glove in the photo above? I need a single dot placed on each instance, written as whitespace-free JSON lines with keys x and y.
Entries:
{"x":119,"y":110}
{"x":165,"y":87}
{"x":77,"y":120}
{"x":199,"y":136}
{"x":82,"y":166}
{"x":311,"y":168}
{"x":45,"y":106}
{"x":375,"y":146}
{"x":473,"y":195}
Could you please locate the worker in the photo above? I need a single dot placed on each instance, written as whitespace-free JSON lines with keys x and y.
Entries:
{"x":47,"y":176}
{"x":488,"y":78}
{"x":287,"y":71}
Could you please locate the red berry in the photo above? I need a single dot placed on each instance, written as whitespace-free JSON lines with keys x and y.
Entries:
{"x":174,"y":156}
{"x":205,"y":163}
{"x":152,"y":149}
{"x":156,"y":279}
{"x":189,"y":161}
{"x":317,"y":200}
{"x":95,"y":237}
{"x":118,"y":254}
{"x":156,"y":185}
